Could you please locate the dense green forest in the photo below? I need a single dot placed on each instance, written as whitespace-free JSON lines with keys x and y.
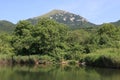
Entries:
{"x":50,"y":41}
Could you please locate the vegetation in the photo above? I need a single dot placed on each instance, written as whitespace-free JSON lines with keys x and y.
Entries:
{"x":51,"y":42}
{"x":6,"y":26}
{"x":104,"y":58}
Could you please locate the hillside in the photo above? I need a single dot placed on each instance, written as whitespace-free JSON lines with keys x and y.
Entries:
{"x":6,"y":26}
{"x":117,"y":23}
{"x":70,"y":19}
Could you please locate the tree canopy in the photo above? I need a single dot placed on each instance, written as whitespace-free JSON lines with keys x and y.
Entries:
{"x":43,"y":38}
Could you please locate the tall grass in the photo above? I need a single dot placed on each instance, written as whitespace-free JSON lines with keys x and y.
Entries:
{"x":32,"y":59}
{"x":109,"y":57}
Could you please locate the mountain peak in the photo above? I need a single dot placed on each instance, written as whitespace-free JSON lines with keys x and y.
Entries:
{"x":68,"y":18}
{"x":54,"y":12}
{"x":58,"y":11}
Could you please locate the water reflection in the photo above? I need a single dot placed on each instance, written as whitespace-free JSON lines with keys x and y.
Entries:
{"x":56,"y":72}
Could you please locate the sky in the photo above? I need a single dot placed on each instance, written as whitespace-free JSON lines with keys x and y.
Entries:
{"x":95,"y":11}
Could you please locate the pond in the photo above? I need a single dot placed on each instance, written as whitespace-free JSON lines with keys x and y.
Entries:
{"x":52,"y":72}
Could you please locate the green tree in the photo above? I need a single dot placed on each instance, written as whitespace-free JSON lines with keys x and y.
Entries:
{"x":76,"y":39}
{"x":49,"y":35}
{"x":107,"y":34}
{"x":43,"y":38}
{"x":5,"y":46}
{"x":107,"y":29}
{"x":22,"y":39}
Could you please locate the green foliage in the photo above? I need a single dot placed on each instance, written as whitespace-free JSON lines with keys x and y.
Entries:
{"x":6,"y":26}
{"x":104,"y":58}
{"x":43,"y":38}
{"x":5,"y":46}
{"x":51,"y":41}
{"x":23,"y":28}
{"x":33,"y":59}
{"x":71,"y":62}
{"x":51,"y":35}
{"x":106,"y":36}
{"x":22,"y":39}
{"x":117,"y":23}
{"x":76,"y":40}
{"x":77,"y":36}
{"x":107,"y":29}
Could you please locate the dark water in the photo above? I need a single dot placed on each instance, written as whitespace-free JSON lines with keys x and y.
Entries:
{"x":43,"y":72}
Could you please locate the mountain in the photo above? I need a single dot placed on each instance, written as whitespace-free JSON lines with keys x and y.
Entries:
{"x":117,"y":23}
{"x":6,"y":26}
{"x":70,"y":19}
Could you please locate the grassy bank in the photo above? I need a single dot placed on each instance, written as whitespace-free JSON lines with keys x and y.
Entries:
{"x":109,"y":58}
{"x":32,"y":59}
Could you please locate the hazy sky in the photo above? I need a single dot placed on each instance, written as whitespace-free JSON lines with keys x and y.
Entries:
{"x":96,"y":11}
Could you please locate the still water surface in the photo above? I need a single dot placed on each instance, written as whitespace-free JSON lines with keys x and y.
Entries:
{"x":57,"y":73}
